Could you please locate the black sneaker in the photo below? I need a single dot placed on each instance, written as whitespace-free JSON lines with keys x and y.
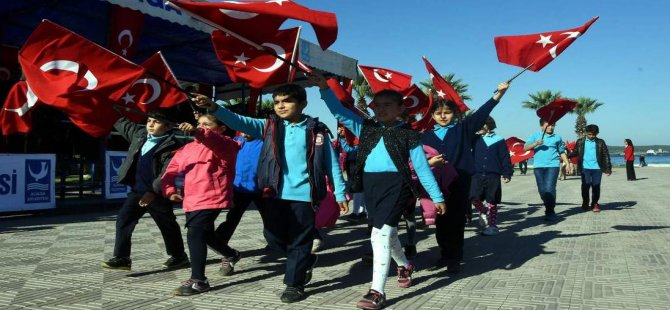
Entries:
{"x":353,"y":217}
{"x":192,"y":287}
{"x":120,"y":263}
{"x":410,"y":252}
{"x":308,"y":274}
{"x":176,"y":262}
{"x":454,"y":267}
{"x":228,"y":264}
{"x":551,"y":217}
{"x":293,"y":294}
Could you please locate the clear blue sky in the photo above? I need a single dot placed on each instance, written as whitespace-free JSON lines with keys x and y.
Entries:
{"x":623,"y":59}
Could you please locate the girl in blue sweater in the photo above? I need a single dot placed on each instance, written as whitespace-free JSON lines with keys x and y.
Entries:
{"x":386,"y":145}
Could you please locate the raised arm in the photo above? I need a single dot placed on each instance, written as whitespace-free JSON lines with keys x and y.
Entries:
{"x":475,"y":122}
{"x":126,"y":128}
{"x":348,"y":118}
{"x":251,"y":126}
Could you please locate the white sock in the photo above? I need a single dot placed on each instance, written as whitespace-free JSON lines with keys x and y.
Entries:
{"x":385,"y":244}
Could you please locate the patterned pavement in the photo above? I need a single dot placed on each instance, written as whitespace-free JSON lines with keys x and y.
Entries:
{"x":616,"y":259}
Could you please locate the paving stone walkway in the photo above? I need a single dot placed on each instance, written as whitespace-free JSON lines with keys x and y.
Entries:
{"x":616,"y":259}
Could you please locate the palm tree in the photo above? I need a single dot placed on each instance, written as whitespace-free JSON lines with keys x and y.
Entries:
{"x":540,"y":99}
{"x":266,"y":107}
{"x":457,"y":84}
{"x":585,"y":105}
{"x":362,"y":92}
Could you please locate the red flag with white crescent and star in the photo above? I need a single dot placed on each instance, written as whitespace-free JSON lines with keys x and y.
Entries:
{"x":347,"y":101}
{"x":443,"y":89}
{"x":76,"y":76}
{"x":380,"y":78}
{"x":125,"y":27}
{"x":538,"y":49}
{"x":426,"y":120}
{"x":15,"y":116}
{"x":415,"y":100}
{"x":260,"y":20}
{"x":245,"y":64}
{"x":553,"y":111}
{"x":155,"y":89}
{"x":516,"y":151}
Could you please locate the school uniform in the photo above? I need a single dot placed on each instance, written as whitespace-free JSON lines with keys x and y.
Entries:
{"x":294,"y":161}
{"x":382,"y":172}
{"x":546,"y":166}
{"x":455,"y":143}
{"x":148,"y":156}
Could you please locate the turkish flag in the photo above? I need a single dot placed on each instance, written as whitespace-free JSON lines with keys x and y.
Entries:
{"x":538,"y":49}
{"x":347,"y":101}
{"x":380,"y":78}
{"x":426,"y":120}
{"x":415,"y":100}
{"x":443,"y":89}
{"x":340,"y":92}
{"x":516,"y":151}
{"x":76,"y":76}
{"x":245,"y":64}
{"x":125,"y":26}
{"x":552,"y":112}
{"x":259,"y":20}
{"x":157,"y":88}
{"x":570,"y":147}
{"x":15,"y":115}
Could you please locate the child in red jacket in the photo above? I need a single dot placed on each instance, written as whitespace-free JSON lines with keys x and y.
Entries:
{"x":208,"y":168}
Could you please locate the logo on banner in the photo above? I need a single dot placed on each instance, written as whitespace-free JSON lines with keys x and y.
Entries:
{"x":114,"y":165}
{"x":38,"y":183}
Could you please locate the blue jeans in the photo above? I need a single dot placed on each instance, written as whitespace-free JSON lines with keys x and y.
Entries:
{"x":591,"y":180}
{"x":546,"y":185}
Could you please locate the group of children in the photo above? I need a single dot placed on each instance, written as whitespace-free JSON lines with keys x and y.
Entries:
{"x":284,"y":162}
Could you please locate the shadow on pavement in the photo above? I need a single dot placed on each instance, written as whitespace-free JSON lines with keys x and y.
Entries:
{"x":638,"y":228}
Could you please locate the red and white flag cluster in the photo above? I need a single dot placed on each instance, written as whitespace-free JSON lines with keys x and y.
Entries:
{"x":85,"y":81}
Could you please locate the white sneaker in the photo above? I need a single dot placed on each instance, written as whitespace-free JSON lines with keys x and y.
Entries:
{"x":316,"y":246}
{"x":490,"y":231}
{"x":483,"y":220}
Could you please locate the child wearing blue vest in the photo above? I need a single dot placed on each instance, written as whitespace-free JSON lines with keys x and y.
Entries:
{"x":382,"y":172}
{"x":548,"y":147}
{"x":492,"y":162}
{"x":454,"y":139}
{"x":295,"y":158}
{"x":594,"y":160}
